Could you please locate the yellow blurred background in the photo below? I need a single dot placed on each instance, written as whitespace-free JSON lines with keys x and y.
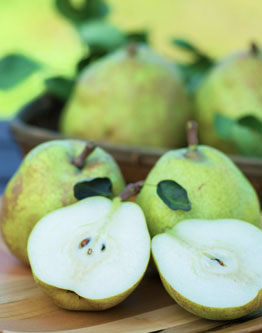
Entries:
{"x":218,"y":27}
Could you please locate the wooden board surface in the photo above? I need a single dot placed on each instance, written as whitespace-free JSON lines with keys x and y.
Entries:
{"x":24,"y":308}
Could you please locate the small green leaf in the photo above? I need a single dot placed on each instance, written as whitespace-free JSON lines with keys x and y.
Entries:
{"x":244,"y":133}
{"x":173,"y":195}
{"x":138,"y":36}
{"x":101,"y":35}
{"x":60,"y":86}
{"x":93,"y":187}
{"x":251,"y":122}
{"x":186,"y":45}
{"x":223,"y":126}
{"x":15,"y":68}
{"x":194,"y":72}
{"x":90,"y":9}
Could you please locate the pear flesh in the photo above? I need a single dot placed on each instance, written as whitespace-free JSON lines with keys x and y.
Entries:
{"x":44,"y":182}
{"x":91,"y":255}
{"x":212,"y":268}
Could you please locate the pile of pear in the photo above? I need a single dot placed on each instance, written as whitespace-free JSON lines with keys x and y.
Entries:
{"x":196,"y":213}
{"x":134,"y":96}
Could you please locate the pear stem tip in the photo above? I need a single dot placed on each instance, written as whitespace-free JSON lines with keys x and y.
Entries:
{"x":131,"y":189}
{"x":79,"y":161}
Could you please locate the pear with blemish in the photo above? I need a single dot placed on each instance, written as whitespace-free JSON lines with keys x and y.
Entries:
{"x":233,"y":89}
{"x":90,"y":255}
{"x":132,"y":96}
{"x":208,"y":186}
{"x":44,"y":182}
{"x":212,"y":268}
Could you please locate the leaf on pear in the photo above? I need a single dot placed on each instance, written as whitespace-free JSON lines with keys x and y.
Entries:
{"x":245,"y":133}
{"x":173,"y":195}
{"x":93,"y":187}
{"x":60,"y":86}
{"x":101,"y":35}
{"x":223,"y":126}
{"x":15,"y":68}
{"x":251,"y":122}
{"x":89,"y":9}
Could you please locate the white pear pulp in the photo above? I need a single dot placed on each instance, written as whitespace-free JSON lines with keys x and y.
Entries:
{"x":212,"y":263}
{"x":97,"y":247}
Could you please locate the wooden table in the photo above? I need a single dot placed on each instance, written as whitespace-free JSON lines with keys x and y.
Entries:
{"x":23,"y":307}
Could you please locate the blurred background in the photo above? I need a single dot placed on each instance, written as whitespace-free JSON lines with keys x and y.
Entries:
{"x":36,"y":29}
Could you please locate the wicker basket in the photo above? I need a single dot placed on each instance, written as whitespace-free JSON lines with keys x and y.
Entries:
{"x":38,"y":122}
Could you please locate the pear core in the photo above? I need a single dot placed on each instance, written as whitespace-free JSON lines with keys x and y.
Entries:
{"x":212,"y":268}
{"x":97,"y":248}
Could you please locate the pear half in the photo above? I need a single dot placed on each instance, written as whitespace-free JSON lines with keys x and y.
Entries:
{"x":212,"y":268}
{"x":91,"y":255}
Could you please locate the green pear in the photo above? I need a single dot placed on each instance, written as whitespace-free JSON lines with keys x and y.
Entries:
{"x":90,"y":255}
{"x":233,"y":89}
{"x":132,"y":96}
{"x":45,"y":181}
{"x":208,"y":185}
{"x":212,"y":268}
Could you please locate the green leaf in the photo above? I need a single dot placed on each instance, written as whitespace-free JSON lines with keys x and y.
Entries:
{"x":194,"y":72}
{"x":223,"y":126}
{"x":60,"y":86}
{"x":185,"y":45}
{"x":101,"y":35}
{"x":251,"y":122}
{"x":89,"y":9}
{"x":93,"y":187}
{"x":244,"y":133}
{"x":173,"y":195}
{"x":15,"y":68}
{"x":138,"y":36}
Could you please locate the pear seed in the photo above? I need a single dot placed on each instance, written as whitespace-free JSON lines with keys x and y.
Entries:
{"x":219,"y":261}
{"x":103,"y":247}
{"x":89,"y":251}
{"x":84,"y":242}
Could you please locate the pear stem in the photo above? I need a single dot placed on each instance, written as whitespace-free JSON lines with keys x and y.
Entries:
{"x":192,"y":140}
{"x":254,"y":49}
{"x":79,"y":161}
{"x":131,"y":189}
{"x":132,"y":49}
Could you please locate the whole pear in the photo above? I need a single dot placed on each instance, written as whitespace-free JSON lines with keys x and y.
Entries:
{"x":232,"y":88}
{"x":214,"y":185}
{"x":132,"y":96}
{"x":44,"y":182}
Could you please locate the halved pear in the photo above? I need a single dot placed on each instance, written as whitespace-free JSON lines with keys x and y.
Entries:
{"x":212,"y":268}
{"x":90,"y":255}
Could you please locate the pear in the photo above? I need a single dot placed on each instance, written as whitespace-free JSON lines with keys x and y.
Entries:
{"x":212,"y":268}
{"x":44,"y":182}
{"x":233,"y":89}
{"x":90,"y":255}
{"x":132,"y":96}
{"x":205,"y":183}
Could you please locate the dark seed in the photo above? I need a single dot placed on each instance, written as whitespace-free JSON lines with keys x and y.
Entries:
{"x":103,"y":247}
{"x":219,"y":261}
{"x":84,"y":242}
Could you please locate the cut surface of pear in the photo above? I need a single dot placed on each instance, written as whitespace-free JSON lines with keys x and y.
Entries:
{"x":212,"y":268}
{"x":97,"y":248}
